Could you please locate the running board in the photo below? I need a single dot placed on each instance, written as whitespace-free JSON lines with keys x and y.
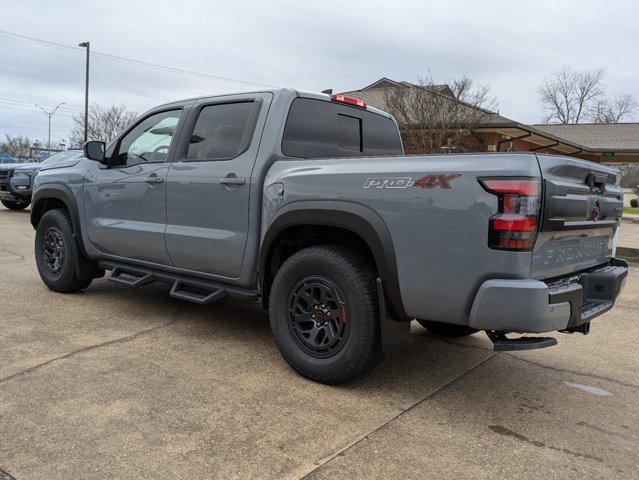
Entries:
{"x":501,"y":343}
{"x":130,"y":276}
{"x":196,"y":292}
{"x":191,"y":289}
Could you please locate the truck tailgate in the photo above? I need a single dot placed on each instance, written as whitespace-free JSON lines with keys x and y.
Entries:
{"x":581,"y":207}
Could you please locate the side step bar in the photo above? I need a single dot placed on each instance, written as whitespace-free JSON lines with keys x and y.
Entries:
{"x":131,"y":277}
{"x":196,"y":292}
{"x":501,"y":343}
{"x":184,"y":288}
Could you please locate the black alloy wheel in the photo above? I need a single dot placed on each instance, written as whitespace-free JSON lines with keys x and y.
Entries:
{"x":318,"y":316}
{"x":53,"y":250}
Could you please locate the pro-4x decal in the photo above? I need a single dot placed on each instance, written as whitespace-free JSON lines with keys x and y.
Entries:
{"x":432,"y":180}
{"x":392,"y":182}
{"x":436,"y":180}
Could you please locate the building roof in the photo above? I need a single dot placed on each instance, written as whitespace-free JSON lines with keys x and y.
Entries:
{"x":612,"y":136}
{"x":375,"y":95}
{"x":620,"y":140}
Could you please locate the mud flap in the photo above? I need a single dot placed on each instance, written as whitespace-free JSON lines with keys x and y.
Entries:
{"x":394,"y":333}
{"x":85,"y":268}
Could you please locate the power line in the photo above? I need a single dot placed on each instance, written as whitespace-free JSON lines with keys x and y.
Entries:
{"x":117,"y":58}
{"x":32,"y":104}
{"x":42,"y":129}
{"x":24,"y":109}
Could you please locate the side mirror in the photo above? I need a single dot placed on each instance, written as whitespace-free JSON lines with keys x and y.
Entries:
{"x":94,"y":150}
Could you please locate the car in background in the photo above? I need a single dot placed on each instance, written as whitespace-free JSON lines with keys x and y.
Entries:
{"x":16,"y":179}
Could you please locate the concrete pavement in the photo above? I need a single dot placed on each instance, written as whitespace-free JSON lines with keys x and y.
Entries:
{"x":629,"y":235}
{"x":119,"y":383}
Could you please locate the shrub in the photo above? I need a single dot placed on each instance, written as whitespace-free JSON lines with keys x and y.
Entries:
{"x":634,"y":203}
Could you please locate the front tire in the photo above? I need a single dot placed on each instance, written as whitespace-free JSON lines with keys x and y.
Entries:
{"x":56,"y":253}
{"x":324,"y":314}
{"x":16,"y":204}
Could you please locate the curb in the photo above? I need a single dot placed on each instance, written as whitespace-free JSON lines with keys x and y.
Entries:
{"x":630,"y":219}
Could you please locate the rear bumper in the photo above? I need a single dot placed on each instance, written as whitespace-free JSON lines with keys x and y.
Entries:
{"x":533,"y":306}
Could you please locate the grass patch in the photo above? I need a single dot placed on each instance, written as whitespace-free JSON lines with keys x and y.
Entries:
{"x":634,"y":260}
{"x":628,"y":254}
{"x":631,"y":210}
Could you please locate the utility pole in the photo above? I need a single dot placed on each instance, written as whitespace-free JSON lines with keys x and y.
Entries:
{"x":49,"y":114}
{"x":86,"y":45}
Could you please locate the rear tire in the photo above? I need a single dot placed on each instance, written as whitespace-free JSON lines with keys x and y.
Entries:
{"x":16,"y":204}
{"x":56,"y":253}
{"x":447,"y":329}
{"x":324,"y":314}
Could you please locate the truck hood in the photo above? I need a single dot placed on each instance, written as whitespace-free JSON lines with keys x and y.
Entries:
{"x":32,"y":167}
{"x":10,"y":166}
{"x":62,"y":164}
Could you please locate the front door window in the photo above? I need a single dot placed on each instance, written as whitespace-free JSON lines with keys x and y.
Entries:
{"x":149,"y":141}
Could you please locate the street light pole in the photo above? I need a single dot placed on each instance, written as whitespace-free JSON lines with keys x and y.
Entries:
{"x":49,"y":114}
{"x":86,"y":45}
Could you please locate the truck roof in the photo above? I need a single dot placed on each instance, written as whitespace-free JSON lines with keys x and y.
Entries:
{"x":298,"y":93}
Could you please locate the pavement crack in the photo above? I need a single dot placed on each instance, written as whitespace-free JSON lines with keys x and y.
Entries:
{"x":630,"y":438}
{"x":115,"y":341}
{"x":536,"y":443}
{"x":4,"y":475}
{"x":574,"y":372}
{"x":556,"y":369}
{"x":309,"y":475}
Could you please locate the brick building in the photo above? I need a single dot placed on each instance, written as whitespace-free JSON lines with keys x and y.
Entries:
{"x":604,"y":143}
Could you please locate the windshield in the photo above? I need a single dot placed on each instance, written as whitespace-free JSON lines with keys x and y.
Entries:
{"x":62,"y":156}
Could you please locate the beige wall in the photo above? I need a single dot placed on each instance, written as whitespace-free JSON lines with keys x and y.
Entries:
{"x":627,"y":197}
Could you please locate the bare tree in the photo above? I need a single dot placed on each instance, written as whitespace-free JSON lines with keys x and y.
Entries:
{"x":433,"y":119}
{"x":15,"y":146}
{"x":613,"y":111}
{"x":572,"y":96}
{"x":104,"y":123}
{"x":630,"y":176}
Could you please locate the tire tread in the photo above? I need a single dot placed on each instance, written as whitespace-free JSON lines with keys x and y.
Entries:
{"x":360,"y":274}
{"x":68,"y":281}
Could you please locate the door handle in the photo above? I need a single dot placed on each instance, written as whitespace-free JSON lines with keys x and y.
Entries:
{"x":231,"y":179}
{"x":154,"y":178}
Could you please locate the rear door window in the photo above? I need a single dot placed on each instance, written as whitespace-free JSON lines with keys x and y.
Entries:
{"x":222,"y":131}
{"x":319,"y":129}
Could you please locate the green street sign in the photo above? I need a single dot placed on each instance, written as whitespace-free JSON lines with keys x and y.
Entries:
{"x":608,"y":154}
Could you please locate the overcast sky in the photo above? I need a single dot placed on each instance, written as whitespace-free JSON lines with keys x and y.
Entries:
{"x":308,"y":45}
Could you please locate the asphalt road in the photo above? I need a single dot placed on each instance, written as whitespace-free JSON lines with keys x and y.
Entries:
{"x":119,"y":383}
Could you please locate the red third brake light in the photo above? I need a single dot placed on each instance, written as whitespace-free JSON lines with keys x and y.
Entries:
{"x":515,"y":225}
{"x":338,"y":97}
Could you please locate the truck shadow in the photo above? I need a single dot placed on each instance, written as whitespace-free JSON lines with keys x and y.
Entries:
{"x":424,"y":359}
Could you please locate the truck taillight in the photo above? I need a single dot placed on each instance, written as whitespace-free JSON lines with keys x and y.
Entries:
{"x":338,"y":97}
{"x":515,"y":225}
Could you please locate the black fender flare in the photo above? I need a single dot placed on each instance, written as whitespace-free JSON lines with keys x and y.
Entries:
{"x":64,"y":194}
{"x":354,"y":217}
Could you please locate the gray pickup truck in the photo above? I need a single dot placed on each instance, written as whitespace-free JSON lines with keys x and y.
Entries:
{"x":16,"y":180}
{"x":307,"y":202}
